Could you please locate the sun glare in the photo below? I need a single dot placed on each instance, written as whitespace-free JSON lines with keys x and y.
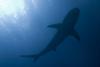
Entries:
{"x":11,"y":7}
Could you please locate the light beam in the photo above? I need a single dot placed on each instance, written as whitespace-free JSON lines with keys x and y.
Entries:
{"x":11,"y":7}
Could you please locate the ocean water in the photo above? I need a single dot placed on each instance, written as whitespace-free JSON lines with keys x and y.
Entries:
{"x":29,"y":34}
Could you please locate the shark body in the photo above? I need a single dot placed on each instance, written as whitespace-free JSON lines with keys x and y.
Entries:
{"x":64,"y":29}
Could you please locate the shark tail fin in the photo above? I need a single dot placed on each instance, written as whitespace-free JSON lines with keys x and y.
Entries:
{"x":31,"y":56}
{"x":55,"y":25}
{"x":75,"y":34}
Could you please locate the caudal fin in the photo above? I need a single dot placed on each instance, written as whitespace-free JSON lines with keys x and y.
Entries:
{"x":35,"y":57}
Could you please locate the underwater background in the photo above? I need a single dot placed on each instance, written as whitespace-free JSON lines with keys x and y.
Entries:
{"x":29,"y":34}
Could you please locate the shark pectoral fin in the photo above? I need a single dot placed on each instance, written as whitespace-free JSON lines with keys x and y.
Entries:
{"x":75,"y":34}
{"x":36,"y":58}
{"x":55,"y":25}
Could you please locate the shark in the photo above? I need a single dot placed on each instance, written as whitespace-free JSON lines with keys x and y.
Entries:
{"x":64,"y":29}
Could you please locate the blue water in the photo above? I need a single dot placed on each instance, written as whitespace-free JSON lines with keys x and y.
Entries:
{"x":35,"y":37}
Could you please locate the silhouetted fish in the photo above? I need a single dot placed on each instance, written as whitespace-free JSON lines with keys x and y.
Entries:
{"x":65,"y":29}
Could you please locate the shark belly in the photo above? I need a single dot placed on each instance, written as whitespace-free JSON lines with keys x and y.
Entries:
{"x":55,"y":42}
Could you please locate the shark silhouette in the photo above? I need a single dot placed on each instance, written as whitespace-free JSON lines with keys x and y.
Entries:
{"x":64,"y":29}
